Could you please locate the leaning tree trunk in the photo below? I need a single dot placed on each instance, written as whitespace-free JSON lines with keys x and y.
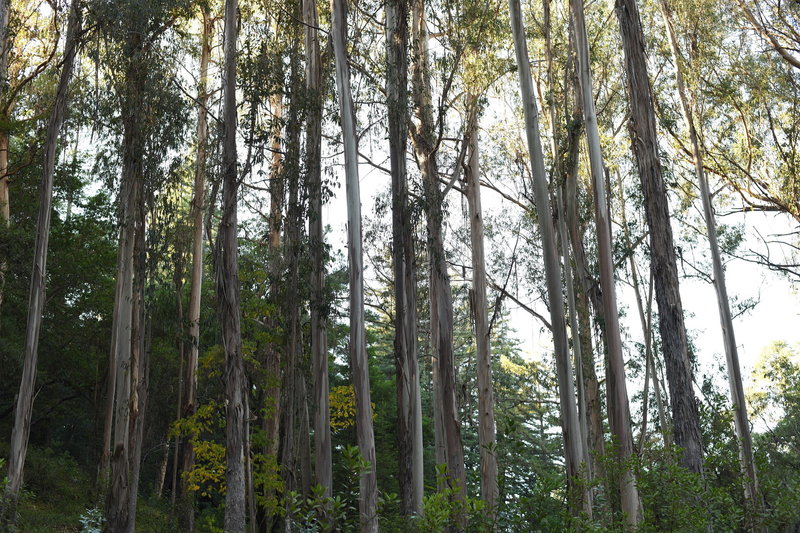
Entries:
{"x":323,"y":466}
{"x":644,"y":143}
{"x":741,"y":424}
{"x":617,"y":388}
{"x":189,"y":407}
{"x":24,"y":407}
{"x":486,"y":427}
{"x":409,"y":403}
{"x":358,"y":345}
{"x":566,"y":390}
{"x":228,"y":291}
{"x":440,"y":292}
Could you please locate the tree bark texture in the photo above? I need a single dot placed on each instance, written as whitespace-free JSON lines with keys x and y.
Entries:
{"x":38,"y":287}
{"x":358,"y":347}
{"x":617,"y":387}
{"x":228,"y":291}
{"x":569,"y":415}
{"x":644,"y":143}
{"x":441,"y":296}
{"x":741,"y":423}
{"x":486,"y":425}
{"x":323,"y":466}
{"x":409,"y":402}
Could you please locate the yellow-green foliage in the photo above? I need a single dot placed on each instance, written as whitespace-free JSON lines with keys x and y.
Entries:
{"x":343,"y":407}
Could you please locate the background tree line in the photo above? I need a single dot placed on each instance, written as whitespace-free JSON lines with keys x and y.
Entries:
{"x":197,"y":347}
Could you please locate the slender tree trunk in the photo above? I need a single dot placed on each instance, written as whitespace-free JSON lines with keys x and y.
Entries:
{"x":5,"y":209}
{"x":189,"y":406}
{"x":409,"y":403}
{"x":486,"y":427}
{"x":569,"y":415}
{"x":425,"y":144}
{"x":228,"y":291}
{"x":358,"y":344}
{"x":617,"y":387}
{"x":644,"y":143}
{"x":741,"y":423}
{"x":323,"y":466}
{"x":36,"y":299}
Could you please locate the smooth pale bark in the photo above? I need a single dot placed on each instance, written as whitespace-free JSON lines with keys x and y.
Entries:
{"x":440,"y":292}
{"x":323,"y":466}
{"x":559,"y":170}
{"x":741,"y":423}
{"x":617,"y":387}
{"x":118,"y":517}
{"x":569,"y":415}
{"x":358,"y":345}
{"x":189,"y":404}
{"x":228,"y":291}
{"x":36,"y":298}
{"x":409,"y":402}
{"x":486,"y":426}
{"x":644,"y":144}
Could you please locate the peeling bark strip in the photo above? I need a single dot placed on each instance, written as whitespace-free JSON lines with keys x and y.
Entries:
{"x":566,"y":391}
{"x":409,"y":402}
{"x":358,"y":347}
{"x":644,"y":144}
{"x":36,"y":300}
{"x":228,"y":292}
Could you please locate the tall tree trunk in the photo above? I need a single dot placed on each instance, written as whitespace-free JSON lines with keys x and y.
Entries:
{"x":425,"y":144}
{"x":644,"y":143}
{"x":358,"y":344}
{"x":569,"y":415}
{"x":5,"y":209}
{"x":486,"y":426}
{"x":36,"y":299}
{"x":189,"y":406}
{"x":409,"y":403}
{"x":118,"y":517}
{"x":323,"y":466}
{"x":741,"y":423}
{"x":617,"y":387}
{"x":228,"y":291}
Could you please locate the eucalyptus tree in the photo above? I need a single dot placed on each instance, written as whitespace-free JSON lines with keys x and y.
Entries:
{"x":189,"y":404}
{"x":569,"y":417}
{"x":228,"y":289}
{"x":319,"y":337}
{"x":24,"y":404}
{"x":619,"y":408}
{"x":358,"y":349}
{"x":409,"y":399}
{"x":426,"y":145}
{"x":741,"y":423}
{"x":644,"y":144}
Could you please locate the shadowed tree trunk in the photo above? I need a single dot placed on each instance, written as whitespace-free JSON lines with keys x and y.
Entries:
{"x":189,"y":407}
{"x":319,"y":337}
{"x":440,"y":292}
{"x":228,"y":291}
{"x":409,"y":402}
{"x":741,"y":423}
{"x":644,"y":144}
{"x":36,"y":299}
{"x":358,"y":347}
